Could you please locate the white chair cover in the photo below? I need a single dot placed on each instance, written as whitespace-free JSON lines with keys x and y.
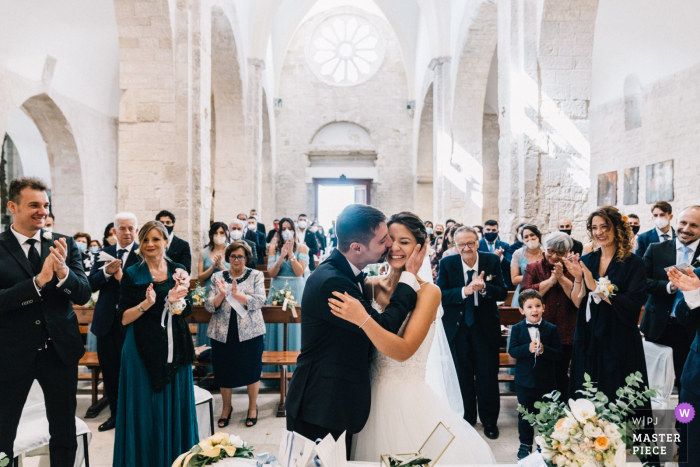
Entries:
{"x":33,"y":430}
{"x":202,"y":398}
{"x":659,"y":360}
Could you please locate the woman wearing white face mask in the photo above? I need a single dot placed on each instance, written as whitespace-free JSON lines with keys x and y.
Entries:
{"x":286,"y":262}
{"x":210,"y":261}
{"x":529,"y":253}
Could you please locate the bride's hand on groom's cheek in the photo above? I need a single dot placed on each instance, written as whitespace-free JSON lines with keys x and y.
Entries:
{"x":348,"y":308}
{"x":415,"y":262}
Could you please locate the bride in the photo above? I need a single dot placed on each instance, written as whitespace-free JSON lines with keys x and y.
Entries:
{"x":405,"y":408}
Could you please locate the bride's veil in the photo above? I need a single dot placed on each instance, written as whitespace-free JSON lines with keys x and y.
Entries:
{"x":440,"y":372}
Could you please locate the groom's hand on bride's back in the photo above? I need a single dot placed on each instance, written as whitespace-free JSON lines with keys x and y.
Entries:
{"x":415,"y":261}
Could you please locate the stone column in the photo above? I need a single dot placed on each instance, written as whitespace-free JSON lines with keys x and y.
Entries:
{"x":254,"y":127}
{"x":442,"y":139}
{"x":518,"y":98}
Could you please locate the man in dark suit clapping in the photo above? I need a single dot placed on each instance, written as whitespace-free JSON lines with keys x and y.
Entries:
{"x":178,"y":249}
{"x":659,"y":323}
{"x":41,"y":273}
{"x":471,"y":284}
{"x":105,"y":278}
{"x":688,"y":313}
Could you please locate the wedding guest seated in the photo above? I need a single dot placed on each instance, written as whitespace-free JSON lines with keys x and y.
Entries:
{"x":529,"y":253}
{"x":82,"y":240}
{"x":553,"y":281}
{"x":178,"y":249}
{"x":211,"y":260}
{"x":535,"y":344}
{"x":156,"y":415}
{"x":286,"y":262}
{"x":236,"y":329}
{"x":95,"y":246}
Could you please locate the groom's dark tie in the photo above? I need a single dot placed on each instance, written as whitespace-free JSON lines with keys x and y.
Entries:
{"x":469,"y":305}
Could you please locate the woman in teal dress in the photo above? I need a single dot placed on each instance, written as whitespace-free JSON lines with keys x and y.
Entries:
{"x":529,"y":253}
{"x":286,"y":263}
{"x":156,"y":416}
{"x":210,"y":261}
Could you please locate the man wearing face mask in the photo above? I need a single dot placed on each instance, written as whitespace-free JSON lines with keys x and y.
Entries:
{"x":253,"y":235}
{"x":492,"y":244}
{"x":634,"y":224}
{"x":275,"y":227}
{"x":178,"y":249}
{"x":565,"y":226}
{"x":261,"y":226}
{"x":308,"y":238}
{"x":235,"y":232}
{"x":662,"y":214}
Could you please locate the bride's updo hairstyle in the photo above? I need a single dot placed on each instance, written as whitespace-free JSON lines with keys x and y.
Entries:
{"x":413,"y":223}
{"x":620,"y":227}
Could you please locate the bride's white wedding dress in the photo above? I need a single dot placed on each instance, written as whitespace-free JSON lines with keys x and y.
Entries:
{"x":405,"y":411}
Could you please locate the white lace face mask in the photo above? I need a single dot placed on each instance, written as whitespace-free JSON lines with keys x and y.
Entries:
{"x":287,"y":235}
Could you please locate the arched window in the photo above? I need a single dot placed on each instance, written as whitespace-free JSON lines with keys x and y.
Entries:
{"x":633,"y":102}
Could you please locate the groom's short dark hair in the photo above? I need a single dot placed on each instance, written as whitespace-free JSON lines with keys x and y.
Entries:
{"x":356,"y":224}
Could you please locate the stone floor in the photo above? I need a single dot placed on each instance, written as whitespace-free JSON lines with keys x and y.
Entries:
{"x":266,"y":435}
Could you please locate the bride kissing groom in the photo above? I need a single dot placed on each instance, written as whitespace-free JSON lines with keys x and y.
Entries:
{"x":341,"y":383}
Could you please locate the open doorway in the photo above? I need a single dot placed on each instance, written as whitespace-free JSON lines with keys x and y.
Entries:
{"x":334,"y":194}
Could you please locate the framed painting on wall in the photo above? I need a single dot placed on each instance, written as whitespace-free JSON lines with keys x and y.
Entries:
{"x":631,"y":189}
{"x":660,"y":182}
{"x":607,"y":189}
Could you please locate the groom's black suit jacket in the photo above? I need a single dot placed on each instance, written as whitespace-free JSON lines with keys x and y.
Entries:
{"x":27,"y":318}
{"x":331,"y":387}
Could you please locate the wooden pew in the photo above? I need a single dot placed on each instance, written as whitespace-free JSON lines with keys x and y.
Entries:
{"x":282,"y":359}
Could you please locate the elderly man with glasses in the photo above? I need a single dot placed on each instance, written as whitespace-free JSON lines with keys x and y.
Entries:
{"x":471,"y":284}
{"x":551,"y":279}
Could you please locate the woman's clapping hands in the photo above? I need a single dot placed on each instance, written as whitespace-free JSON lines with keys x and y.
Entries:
{"x":150,"y":296}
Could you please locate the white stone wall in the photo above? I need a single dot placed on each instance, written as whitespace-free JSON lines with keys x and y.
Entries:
{"x":378,"y":105}
{"x":491,"y":133}
{"x":670,"y":118}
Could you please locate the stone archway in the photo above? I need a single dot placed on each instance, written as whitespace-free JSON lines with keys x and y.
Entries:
{"x":233,"y":172}
{"x":67,"y":194}
{"x":424,"y":159}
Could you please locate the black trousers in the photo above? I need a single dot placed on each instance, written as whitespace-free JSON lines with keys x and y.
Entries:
{"x":689,"y":449}
{"x":312,"y":259}
{"x":527,"y":398}
{"x":475,"y":357}
{"x":561,"y":369}
{"x":676,"y":337}
{"x":314,"y":432}
{"x":109,"y":352}
{"x":60,"y":384}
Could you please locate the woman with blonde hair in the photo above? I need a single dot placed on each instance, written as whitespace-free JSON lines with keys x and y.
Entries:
{"x":156,"y":417}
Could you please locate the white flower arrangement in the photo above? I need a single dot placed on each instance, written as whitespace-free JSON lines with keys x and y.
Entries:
{"x":284,"y":297}
{"x":47,"y":234}
{"x":177,"y":307}
{"x":605,"y":287}
{"x":489,"y":278}
{"x":591,"y":431}
{"x":213,"y":449}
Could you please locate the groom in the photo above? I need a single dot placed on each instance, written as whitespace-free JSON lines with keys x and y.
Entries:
{"x":330,"y":389}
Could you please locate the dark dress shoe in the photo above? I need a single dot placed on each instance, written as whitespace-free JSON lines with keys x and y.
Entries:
{"x":524,"y":451}
{"x":108,"y":425}
{"x":491,"y":432}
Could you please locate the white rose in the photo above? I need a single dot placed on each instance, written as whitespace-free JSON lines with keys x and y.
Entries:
{"x":620,"y":457}
{"x":47,"y":235}
{"x":541,"y":442}
{"x":236,"y":441}
{"x":582,"y":409}
{"x":560,"y":460}
{"x":592,"y":431}
{"x":611,"y":431}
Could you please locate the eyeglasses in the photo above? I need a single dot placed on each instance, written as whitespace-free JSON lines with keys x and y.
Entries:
{"x":461,"y":246}
{"x":236,"y":258}
{"x":556,"y":253}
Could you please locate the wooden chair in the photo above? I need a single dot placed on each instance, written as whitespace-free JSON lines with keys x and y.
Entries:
{"x":90,"y":361}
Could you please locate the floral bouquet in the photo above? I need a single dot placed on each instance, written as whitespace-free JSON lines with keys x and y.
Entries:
{"x":605,"y":287}
{"x":93,"y":299}
{"x":213,"y":449}
{"x":591,"y":431}
{"x":199,"y":294}
{"x":283,"y":297}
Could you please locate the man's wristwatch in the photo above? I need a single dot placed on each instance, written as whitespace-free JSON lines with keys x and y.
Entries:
{"x":36,"y":283}
{"x":140,"y":308}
